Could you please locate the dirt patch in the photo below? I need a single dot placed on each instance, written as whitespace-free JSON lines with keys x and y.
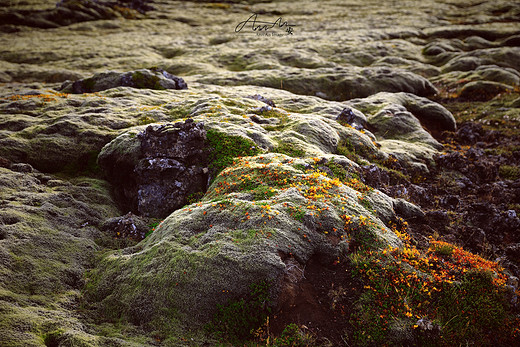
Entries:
{"x":320,"y":302}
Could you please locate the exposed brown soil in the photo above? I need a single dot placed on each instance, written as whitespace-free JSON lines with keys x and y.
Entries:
{"x":320,"y":302}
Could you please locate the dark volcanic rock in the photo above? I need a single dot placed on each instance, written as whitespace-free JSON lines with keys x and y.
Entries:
{"x":449,"y":201}
{"x":470,"y":133}
{"x":263,"y":99}
{"x":357,"y":121}
{"x":438,"y":219}
{"x":374,"y":176}
{"x":22,"y":167}
{"x":127,"y":226}
{"x":5,"y":162}
{"x":473,"y":164}
{"x":166,"y":164}
{"x":142,"y":79}
{"x":513,"y":251}
{"x":174,"y":167}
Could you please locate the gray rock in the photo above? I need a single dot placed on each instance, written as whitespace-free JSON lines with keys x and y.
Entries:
{"x":127,"y":226}
{"x":408,"y":210}
{"x":462,"y":64}
{"x":431,"y":115}
{"x":21,"y":167}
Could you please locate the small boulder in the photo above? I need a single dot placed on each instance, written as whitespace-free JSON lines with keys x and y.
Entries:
{"x":431,"y":115}
{"x":407,"y":210}
{"x":462,"y":63}
{"x":22,"y":167}
{"x":141,"y":79}
{"x":127,"y":226}
{"x":356,"y":120}
{"x":262,"y":99}
{"x":483,"y":90}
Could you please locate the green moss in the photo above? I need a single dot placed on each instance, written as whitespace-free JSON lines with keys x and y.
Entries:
{"x":364,"y":237}
{"x":358,"y":156}
{"x":85,"y":165}
{"x":195,"y":197}
{"x":289,"y":149}
{"x":444,"y":250}
{"x":365,"y":203}
{"x":509,"y":172}
{"x":53,"y":338}
{"x":263,"y":192}
{"x":283,"y":119}
{"x":274,"y":113}
{"x":337,"y":170}
{"x":245,"y":237}
{"x":179,"y":112}
{"x":296,"y":212}
{"x":491,"y":114}
{"x":300,"y":167}
{"x":391,"y":166}
{"x":235,"y":321}
{"x":504,"y":150}
{"x":474,"y":310}
{"x":262,"y":183}
{"x":143,"y":120}
{"x":125,"y":331}
{"x":346,"y":149}
{"x":234,"y":62}
{"x":225,"y":148}
{"x":292,"y":336}
{"x":152,"y":227}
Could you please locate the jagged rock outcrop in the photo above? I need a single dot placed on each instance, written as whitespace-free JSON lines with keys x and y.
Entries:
{"x":155,"y":171}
